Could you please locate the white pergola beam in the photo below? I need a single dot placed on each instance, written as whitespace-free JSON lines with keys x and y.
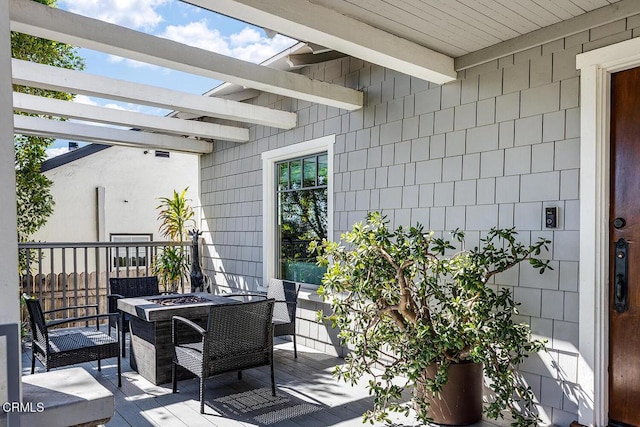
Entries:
{"x":36,"y":126}
{"x":39,"y":20}
{"x":9,"y":280}
{"x":61,"y":79}
{"x":55,"y":107}
{"x":302,"y":59}
{"x":304,"y":20}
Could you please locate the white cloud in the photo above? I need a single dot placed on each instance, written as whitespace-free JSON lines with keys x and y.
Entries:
{"x":244,"y":37}
{"x":53,"y":152}
{"x":84,"y":99}
{"x":122,"y":106}
{"x":131,"y":63}
{"x":197,"y":34}
{"x":264,"y":49}
{"x":138,"y":14}
{"x":87,"y":100}
{"x":129,"y":107}
{"x":248,"y":44}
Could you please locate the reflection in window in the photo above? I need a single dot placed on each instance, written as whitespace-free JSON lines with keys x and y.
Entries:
{"x":302,"y":216}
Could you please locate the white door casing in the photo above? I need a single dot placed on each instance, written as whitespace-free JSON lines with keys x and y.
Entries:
{"x":595,"y":88}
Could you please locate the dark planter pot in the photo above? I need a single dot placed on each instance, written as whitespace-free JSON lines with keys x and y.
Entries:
{"x":460,"y":402}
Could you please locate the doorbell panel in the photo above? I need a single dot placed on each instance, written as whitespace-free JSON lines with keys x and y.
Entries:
{"x":551,"y":217}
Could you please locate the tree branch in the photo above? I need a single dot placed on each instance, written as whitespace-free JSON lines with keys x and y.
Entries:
{"x":406,"y":307}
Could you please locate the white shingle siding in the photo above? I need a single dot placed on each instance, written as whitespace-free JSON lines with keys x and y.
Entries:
{"x":492,"y":148}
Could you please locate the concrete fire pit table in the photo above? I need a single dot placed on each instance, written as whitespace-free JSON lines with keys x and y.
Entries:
{"x":151,"y":349}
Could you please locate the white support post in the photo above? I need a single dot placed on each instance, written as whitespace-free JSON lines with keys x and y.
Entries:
{"x":9,"y":291}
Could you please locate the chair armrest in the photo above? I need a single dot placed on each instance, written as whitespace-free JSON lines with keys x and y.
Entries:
{"x":189,"y":323}
{"x":255,"y":294}
{"x":52,"y":323}
{"x":72,"y":308}
{"x":112,"y":302}
{"x":243,"y":295}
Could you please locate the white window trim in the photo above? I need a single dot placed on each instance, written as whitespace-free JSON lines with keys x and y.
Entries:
{"x":595,"y":87}
{"x":269,"y":159}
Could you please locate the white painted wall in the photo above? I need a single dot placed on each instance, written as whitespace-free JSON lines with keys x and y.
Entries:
{"x":133,"y":182}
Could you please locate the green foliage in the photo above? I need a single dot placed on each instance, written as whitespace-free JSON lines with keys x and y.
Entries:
{"x":175,"y":216}
{"x":405,"y":300}
{"x":34,"y":201}
{"x":170,"y":266}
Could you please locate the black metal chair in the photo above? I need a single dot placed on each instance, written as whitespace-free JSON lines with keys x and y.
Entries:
{"x":128,"y":287}
{"x":69,"y":346}
{"x":238,"y":336}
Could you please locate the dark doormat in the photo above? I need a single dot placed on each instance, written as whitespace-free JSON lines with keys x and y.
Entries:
{"x":259,"y":406}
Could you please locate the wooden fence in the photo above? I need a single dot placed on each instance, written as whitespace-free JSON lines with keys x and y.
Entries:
{"x":68,"y":290}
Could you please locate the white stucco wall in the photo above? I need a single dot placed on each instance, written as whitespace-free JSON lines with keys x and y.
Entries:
{"x":133,"y":182}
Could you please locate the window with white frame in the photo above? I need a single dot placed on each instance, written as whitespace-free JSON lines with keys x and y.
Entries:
{"x":297,"y":208}
{"x":301,"y":216}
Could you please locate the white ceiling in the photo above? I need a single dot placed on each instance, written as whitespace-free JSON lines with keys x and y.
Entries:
{"x":458,"y":27}
{"x":427,"y":39}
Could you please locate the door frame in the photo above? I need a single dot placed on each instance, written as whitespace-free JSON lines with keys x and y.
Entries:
{"x":595,"y":94}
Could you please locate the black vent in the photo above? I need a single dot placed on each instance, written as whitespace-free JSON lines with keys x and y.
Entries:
{"x":162,"y":154}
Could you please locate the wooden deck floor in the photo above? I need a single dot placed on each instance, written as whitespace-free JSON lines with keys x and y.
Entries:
{"x":307,"y":395}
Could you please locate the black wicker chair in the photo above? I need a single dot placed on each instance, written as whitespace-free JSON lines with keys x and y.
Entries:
{"x":69,"y":346}
{"x":128,"y":287}
{"x":238,"y":336}
{"x":285,"y":293}
{"x":284,"y":313}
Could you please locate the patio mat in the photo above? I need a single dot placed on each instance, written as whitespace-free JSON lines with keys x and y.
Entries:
{"x":259,"y":406}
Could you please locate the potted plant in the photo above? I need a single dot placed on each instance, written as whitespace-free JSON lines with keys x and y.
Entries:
{"x":175,"y":215}
{"x":412,"y":306}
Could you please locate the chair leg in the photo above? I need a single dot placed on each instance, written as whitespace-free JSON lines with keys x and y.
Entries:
{"x":295,"y":347}
{"x":33,"y":358}
{"x":202,"y":394}
{"x":119,"y":372}
{"x":174,"y":378}
{"x":273,"y":379}
{"x":99,"y":366}
{"x":122,"y":328}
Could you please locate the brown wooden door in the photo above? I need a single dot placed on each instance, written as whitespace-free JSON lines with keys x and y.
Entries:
{"x":624,"y":325}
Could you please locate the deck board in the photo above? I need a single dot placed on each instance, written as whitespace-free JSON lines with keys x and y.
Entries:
{"x":307,"y":381}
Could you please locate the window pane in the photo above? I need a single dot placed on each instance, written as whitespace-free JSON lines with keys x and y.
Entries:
{"x":283,"y":176}
{"x":303,"y":219}
{"x":323,"y":169}
{"x":309,"y":172}
{"x":296,"y":174}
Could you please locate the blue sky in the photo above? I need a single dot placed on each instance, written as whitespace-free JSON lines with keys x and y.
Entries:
{"x":177,"y":21}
